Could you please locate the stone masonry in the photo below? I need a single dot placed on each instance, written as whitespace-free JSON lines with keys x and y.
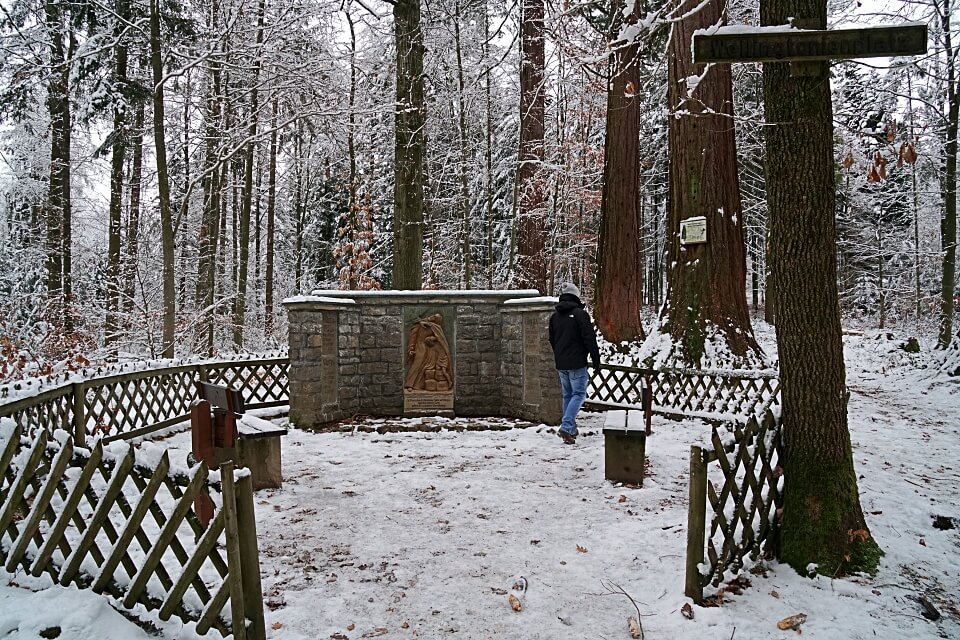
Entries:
{"x":347,"y":353}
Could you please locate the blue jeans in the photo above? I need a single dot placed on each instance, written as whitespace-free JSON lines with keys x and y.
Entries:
{"x":573,"y":382}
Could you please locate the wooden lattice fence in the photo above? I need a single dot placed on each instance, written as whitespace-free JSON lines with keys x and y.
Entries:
{"x":717,"y":394}
{"x":128,"y":405}
{"x":102,"y":520}
{"x":736,"y":485}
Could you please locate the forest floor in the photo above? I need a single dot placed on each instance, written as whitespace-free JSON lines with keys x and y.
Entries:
{"x":414,"y":534}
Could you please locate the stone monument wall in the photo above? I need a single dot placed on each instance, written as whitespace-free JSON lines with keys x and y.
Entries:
{"x":348,"y":352}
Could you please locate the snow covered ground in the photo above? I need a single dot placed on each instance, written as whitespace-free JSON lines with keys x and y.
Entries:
{"x":416,"y":534}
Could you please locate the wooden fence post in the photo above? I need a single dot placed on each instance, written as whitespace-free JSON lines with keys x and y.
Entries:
{"x":234,"y":564}
{"x":79,"y":413}
{"x":696,"y":523}
{"x":250,"y":559}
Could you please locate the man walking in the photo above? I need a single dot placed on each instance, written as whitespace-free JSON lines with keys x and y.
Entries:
{"x":573,"y":338}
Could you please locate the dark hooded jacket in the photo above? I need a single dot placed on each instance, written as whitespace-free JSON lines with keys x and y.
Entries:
{"x":572,"y":335}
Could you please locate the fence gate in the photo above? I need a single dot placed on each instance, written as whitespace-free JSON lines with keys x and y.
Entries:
{"x":741,"y":480}
{"x":100,"y":519}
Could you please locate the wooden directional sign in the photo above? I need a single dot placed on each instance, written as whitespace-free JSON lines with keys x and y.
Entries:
{"x":734,"y":44}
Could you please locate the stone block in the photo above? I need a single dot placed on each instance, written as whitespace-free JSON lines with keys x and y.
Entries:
{"x":393,"y":355}
{"x":489,"y":369}
{"x":372,"y":367}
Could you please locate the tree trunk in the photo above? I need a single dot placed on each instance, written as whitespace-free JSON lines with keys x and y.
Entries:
{"x":112,"y":320}
{"x":409,"y":148}
{"x":488,"y":148}
{"x":240,"y":302}
{"x":531,"y":230}
{"x":58,"y":194}
{"x":822,"y":519}
{"x":464,"y":156}
{"x":298,"y":210}
{"x":271,"y":215}
{"x":619,"y":289}
{"x":208,"y":234}
{"x":163,"y":186}
{"x":705,"y":314}
{"x":131,"y":259}
{"x":347,"y":276}
{"x":948,"y":223}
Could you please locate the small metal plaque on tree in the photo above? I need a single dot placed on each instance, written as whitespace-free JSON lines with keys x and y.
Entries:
{"x":693,"y":230}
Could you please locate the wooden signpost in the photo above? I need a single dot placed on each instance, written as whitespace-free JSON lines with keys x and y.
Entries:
{"x":799,"y":46}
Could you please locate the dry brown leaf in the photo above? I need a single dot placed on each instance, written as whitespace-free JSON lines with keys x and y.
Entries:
{"x":687,"y":611}
{"x":634,"y":627}
{"x":515,"y":603}
{"x":792,"y":622}
{"x":277,"y":625}
{"x":622,"y":499}
{"x":405,"y":625}
{"x":775,"y":594}
{"x":351,"y":627}
{"x":581,"y":549}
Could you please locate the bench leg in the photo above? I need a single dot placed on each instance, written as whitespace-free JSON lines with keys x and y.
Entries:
{"x":262,"y":457}
{"x":624,"y":457}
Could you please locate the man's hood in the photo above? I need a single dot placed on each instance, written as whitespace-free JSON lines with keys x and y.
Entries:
{"x":568,"y":302}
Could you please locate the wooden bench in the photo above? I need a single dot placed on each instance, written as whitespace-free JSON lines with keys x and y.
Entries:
{"x":624,"y":446}
{"x":249,"y":441}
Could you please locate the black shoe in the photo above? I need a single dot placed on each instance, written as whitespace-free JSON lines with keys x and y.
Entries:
{"x":567,"y":438}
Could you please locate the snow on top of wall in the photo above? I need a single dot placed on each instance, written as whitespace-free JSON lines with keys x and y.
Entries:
{"x":426,"y":293}
{"x":320,"y":299}
{"x":538,"y":299}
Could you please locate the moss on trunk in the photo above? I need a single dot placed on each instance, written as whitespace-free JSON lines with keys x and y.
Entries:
{"x":823,"y":523}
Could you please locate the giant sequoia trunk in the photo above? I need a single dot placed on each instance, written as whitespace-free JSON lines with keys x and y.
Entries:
{"x":822,"y":519}
{"x":531,"y":231}
{"x":619,"y":288}
{"x":705,"y":319}
{"x":409,"y":148}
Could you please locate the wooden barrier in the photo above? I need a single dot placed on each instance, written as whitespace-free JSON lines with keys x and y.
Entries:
{"x":714,"y":395}
{"x":129,"y":405}
{"x":90,"y":520}
{"x":745,"y":465}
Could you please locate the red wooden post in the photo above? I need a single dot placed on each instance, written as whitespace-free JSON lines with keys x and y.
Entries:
{"x":201,"y":431}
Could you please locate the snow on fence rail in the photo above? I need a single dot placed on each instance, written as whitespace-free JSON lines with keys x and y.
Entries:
{"x":127,"y":405}
{"x":104,"y":520}
{"x":712,"y":394}
{"x":743,"y":495}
